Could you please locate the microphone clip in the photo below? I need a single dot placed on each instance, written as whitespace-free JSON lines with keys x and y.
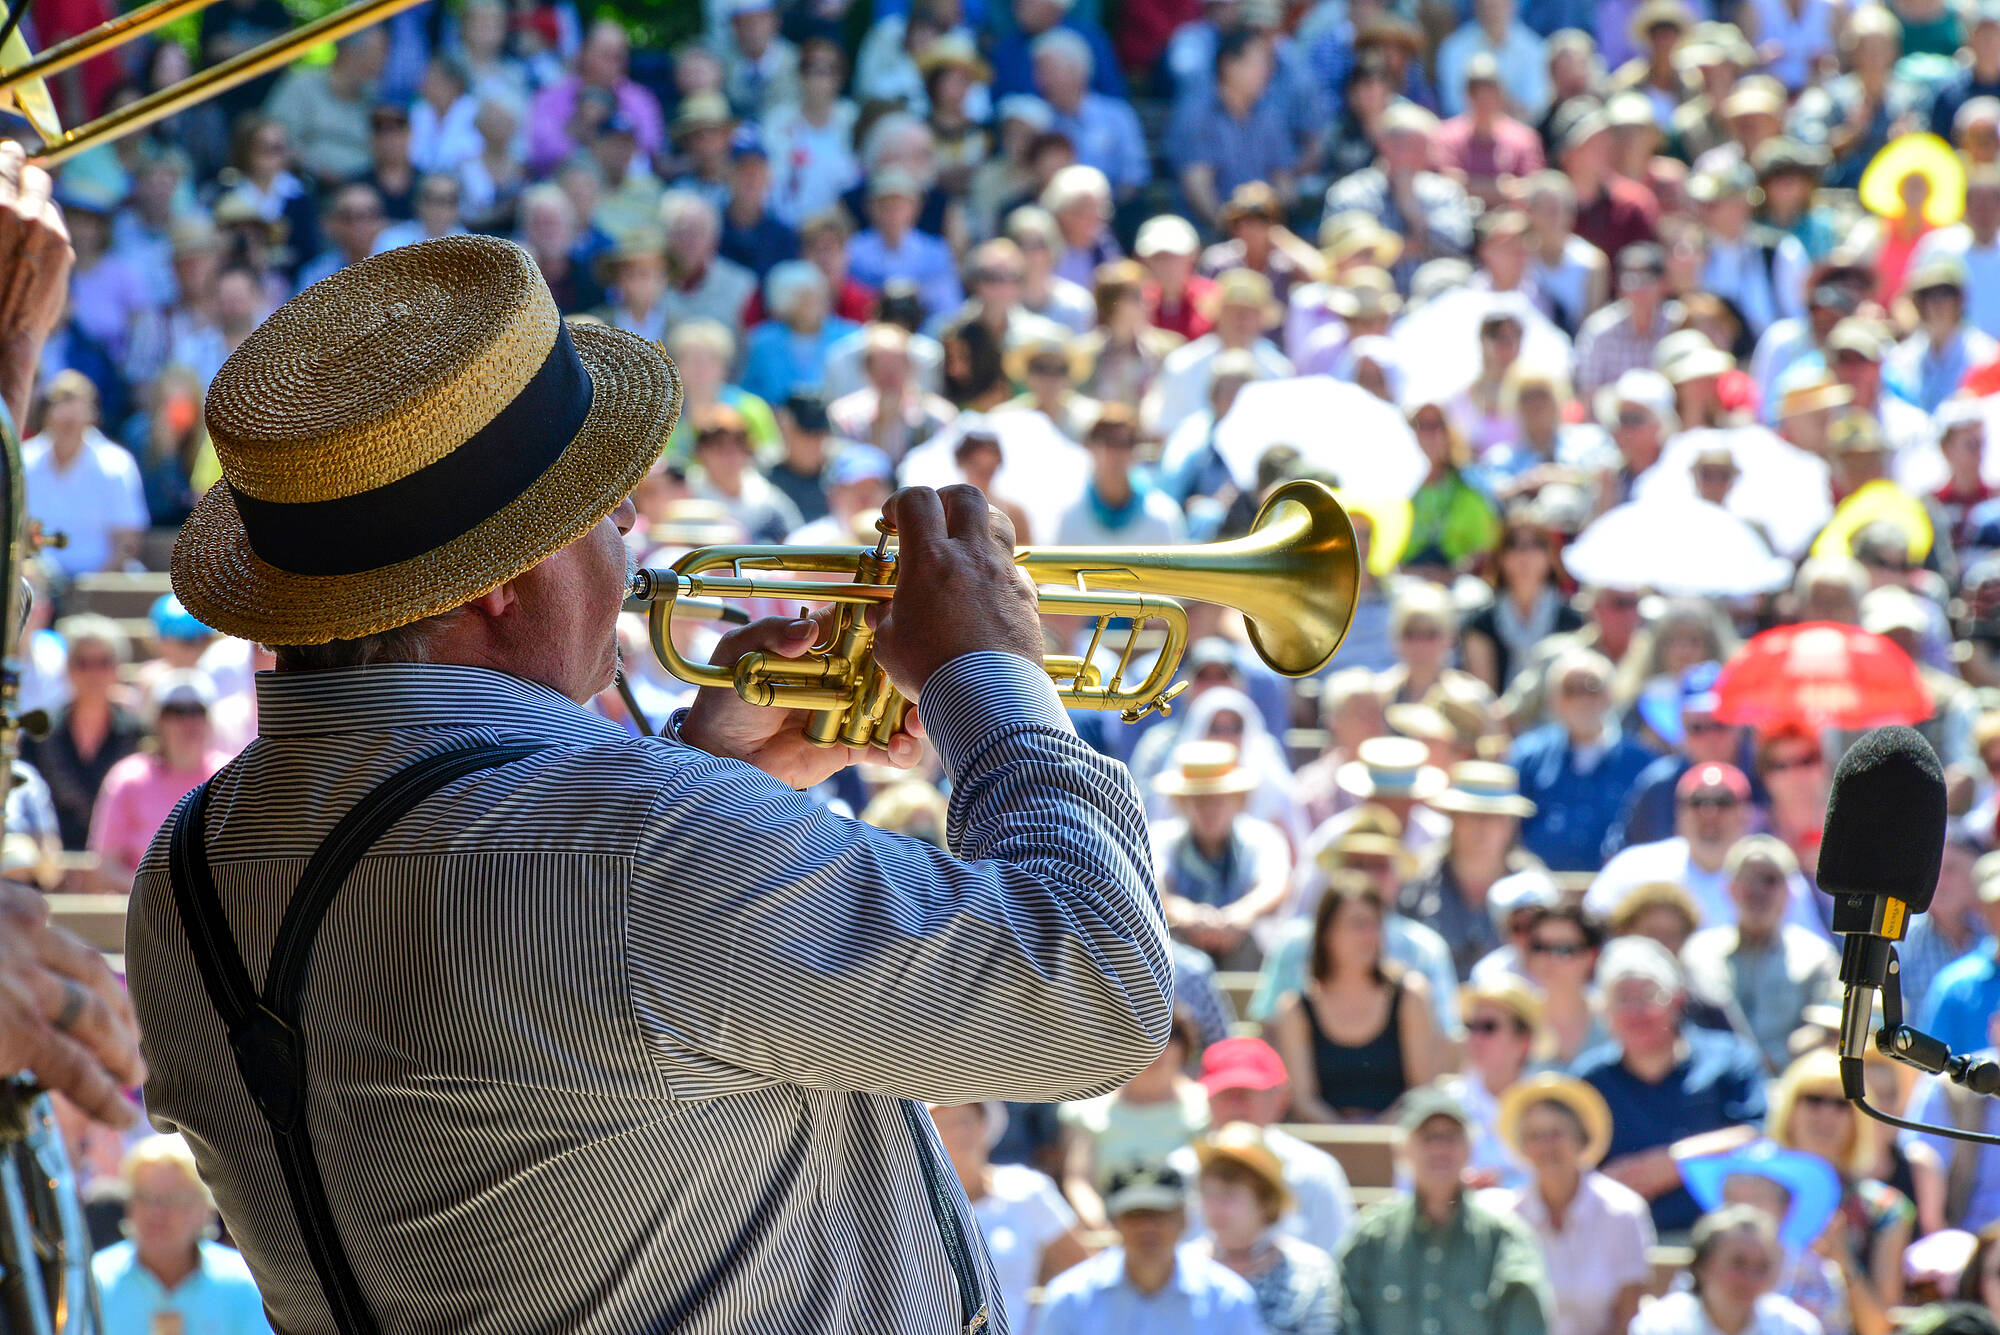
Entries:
{"x":1913,"y":1047}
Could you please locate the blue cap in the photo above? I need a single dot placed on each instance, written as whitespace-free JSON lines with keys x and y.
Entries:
{"x":1662,"y":709}
{"x":171,"y":621}
{"x":1811,"y":1181}
{"x":859,"y":463}
{"x":747,"y":143}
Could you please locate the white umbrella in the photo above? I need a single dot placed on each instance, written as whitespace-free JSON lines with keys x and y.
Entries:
{"x":1437,"y":345}
{"x":1339,"y":428}
{"x":1041,"y":470}
{"x":1782,"y":489}
{"x":1675,"y":545}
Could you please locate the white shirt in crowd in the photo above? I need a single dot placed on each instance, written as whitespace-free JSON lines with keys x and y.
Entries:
{"x":1681,"y":1314}
{"x":811,"y":165}
{"x":98,"y":495}
{"x":1982,"y":266}
{"x":1670,"y":860}
{"x":1322,"y":1200}
{"x":1182,"y":389}
{"x":1600,"y":1248}
{"x":1021,"y":1215}
{"x":1158,"y":521}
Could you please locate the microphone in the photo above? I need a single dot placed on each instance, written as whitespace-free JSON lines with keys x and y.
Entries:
{"x":1878,"y":859}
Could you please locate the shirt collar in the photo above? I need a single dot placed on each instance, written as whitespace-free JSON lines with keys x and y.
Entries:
{"x":422,"y":695}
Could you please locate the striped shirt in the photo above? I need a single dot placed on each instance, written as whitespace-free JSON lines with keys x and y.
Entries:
{"x":614,"y":1038}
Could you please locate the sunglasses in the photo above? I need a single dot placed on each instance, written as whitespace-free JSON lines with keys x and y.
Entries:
{"x":1716,"y":801}
{"x":1487,"y":1028}
{"x":1562,"y":950}
{"x":1583,"y":688}
{"x":93,"y":662}
{"x":1048,"y":368}
{"x":1634,"y":418}
{"x":183,"y":711}
{"x":1526,"y":542}
{"x":1821,"y":1100}
{"x":1703,"y":726}
{"x":1780,"y":765}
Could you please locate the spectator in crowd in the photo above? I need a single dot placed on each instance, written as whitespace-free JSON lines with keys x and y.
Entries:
{"x":1594,"y":1234}
{"x":1044,"y":292}
{"x":1489,"y":149}
{"x":324,"y":109}
{"x":1736,"y":1260}
{"x":1246,"y":1083}
{"x":1771,"y":968}
{"x":1527,"y":604}
{"x":1673,"y":1089}
{"x":1561,"y":961}
{"x":790,"y":350}
{"x":1118,"y":505}
{"x":170,"y":1273}
{"x":704,"y":351}
{"x":722,"y":450}
{"x":1243,"y":1198}
{"x":811,"y":141}
{"x":1030,"y":1230}
{"x":1242,"y":309}
{"x":1428,"y":210}
{"x":805,"y":427}
{"x":1927,"y":367}
{"x":1854,"y":114}
{"x":702,"y":285}
{"x":1232,"y":133}
{"x":1150,"y":1281}
{"x":82,"y":484}
{"x":763,"y":68}
{"x":1102,"y":130}
{"x":1222,"y":873}
{"x":1687,"y":722}
{"x":891,"y":247}
{"x":1450,"y":894}
{"x":355,"y":221}
{"x":555,"y":236}
{"x":1156,"y":1113}
{"x":1435,"y":1257}
{"x":1514,"y":50}
{"x":1503,"y":1026}
{"x":1612,"y":211}
{"x":141,"y":791}
{"x":603,"y":65}
{"x":1361,"y":1031}
{"x":1713,"y":809}
{"x":1576,"y":769}
{"x":1620,"y":337}
{"x":892,"y":411}
{"x":1050,"y":369}
{"x":1809,"y":1112}
{"x":1975,"y":241}
{"x":1966,"y":993}
{"x":92,"y":732}
{"x":1954,"y":926}
{"x":858,"y":481}
{"x":635,"y":275}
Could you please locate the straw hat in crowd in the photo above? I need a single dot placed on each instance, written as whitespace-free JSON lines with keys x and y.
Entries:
{"x":1396,"y":768}
{"x":1582,"y":1101}
{"x":1204,"y":769}
{"x":1242,"y":1145}
{"x":1484,"y":787}
{"x":406,"y":435}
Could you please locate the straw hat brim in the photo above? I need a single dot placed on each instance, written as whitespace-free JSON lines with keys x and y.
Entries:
{"x":635,"y":401}
{"x":1174,"y":784}
{"x":1253,"y":1159}
{"x":1354,"y":777}
{"x":1452,"y":800}
{"x":1571,"y":1093}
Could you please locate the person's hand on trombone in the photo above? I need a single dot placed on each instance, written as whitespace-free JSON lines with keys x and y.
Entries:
{"x":63,"y":1015}
{"x":35,"y":260}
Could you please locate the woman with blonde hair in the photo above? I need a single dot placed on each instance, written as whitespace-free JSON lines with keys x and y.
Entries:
{"x":1808,"y":1112}
{"x":1686,"y":632}
{"x":1451,"y":521}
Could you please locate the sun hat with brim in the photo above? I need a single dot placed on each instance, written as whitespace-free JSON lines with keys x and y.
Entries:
{"x":1016,"y":360}
{"x":1243,"y":1145}
{"x":957,"y":51}
{"x":1145,"y":1186}
{"x":1428,"y":1101}
{"x":1986,"y":878}
{"x":1579,"y":1097}
{"x":1204,"y":769}
{"x":1510,"y":992}
{"x":407,"y":434}
{"x":1813,"y":1184}
{"x":1392,"y":767}
{"x":1484,"y":788}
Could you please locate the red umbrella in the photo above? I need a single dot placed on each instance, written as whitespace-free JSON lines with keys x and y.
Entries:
{"x":1822,"y":674}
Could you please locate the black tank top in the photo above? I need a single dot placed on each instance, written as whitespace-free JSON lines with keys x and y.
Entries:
{"x":1364,"y":1079}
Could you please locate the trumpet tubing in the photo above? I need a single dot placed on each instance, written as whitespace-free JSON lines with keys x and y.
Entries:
{"x":1294,"y":578}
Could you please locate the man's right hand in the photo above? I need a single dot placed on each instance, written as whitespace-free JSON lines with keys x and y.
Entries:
{"x":63,"y":1014}
{"x":958,"y":590}
{"x":35,"y":258}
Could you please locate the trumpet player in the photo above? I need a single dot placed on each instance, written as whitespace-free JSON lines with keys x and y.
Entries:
{"x":479,"y":1015}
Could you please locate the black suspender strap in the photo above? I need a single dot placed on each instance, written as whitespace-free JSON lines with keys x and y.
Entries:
{"x":264,"y":1031}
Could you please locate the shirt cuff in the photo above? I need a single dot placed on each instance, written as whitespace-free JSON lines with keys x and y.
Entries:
{"x":967,"y":701}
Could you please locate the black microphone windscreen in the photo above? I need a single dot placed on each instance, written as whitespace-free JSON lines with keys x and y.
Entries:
{"x":1885,"y":820}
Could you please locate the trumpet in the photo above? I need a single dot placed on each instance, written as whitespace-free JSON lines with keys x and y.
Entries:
{"x":1293,"y":577}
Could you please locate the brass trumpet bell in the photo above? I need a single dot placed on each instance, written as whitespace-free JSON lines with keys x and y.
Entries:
{"x":1294,"y":577}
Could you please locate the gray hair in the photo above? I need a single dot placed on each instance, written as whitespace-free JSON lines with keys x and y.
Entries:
{"x":790,"y":280}
{"x":710,"y":334}
{"x":1579,"y":659}
{"x":884,"y":131}
{"x":1831,"y":570}
{"x":1717,"y":1225}
{"x":1422,"y":599}
{"x":686,"y":206}
{"x":410,"y":643}
{"x":90,"y":628}
{"x":1074,"y":183}
{"x":1065,"y":45}
{"x":1629,"y":957}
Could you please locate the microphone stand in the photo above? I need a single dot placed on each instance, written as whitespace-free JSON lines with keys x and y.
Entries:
{"x":1913,"y":1047}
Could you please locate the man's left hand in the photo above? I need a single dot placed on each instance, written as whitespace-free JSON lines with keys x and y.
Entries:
{"x":722,"y":723}
{"x":35,"y":260}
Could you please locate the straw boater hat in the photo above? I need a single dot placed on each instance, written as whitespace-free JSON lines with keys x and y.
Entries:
{"x":1392,"y":767}
{"x":1204,"y":769}
{"x":1573,"y":1094}
{"x":406,"y":435}
{"x":1243,"y":1145}
{"x":1484,"y":787}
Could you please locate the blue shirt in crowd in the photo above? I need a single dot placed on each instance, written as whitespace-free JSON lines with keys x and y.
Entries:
{"x":1577,"y":791}
{"x":1718,"y":1082}
{"x":219,"y":1298}
{"x":1106,"y":135}
{"x":1203,"y":1298}
{"x":1962,"y":1001}
{"x":1013,"y":61}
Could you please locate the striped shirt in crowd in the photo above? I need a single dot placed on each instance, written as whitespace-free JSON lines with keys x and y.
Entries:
{"x":615,"y":1037}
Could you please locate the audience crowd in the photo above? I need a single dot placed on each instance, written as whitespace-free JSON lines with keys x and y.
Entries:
{"x":1651,"y":349}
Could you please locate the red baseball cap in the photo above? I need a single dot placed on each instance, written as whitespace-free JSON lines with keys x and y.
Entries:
{"x":1241,"y":1063}
{"x":1713,"y":776}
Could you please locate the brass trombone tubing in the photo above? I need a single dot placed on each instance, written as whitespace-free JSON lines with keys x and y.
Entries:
{"x":196,"y":88}
{"x":104,"y":37}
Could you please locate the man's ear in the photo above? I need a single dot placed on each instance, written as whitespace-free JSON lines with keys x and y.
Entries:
{"x":496,"y":603}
